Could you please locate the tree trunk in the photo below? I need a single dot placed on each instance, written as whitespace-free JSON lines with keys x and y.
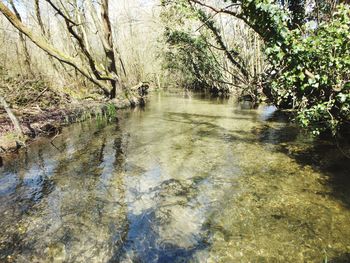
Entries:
{"x":51,"y":50}
{"x":233,"y":56}
{"x":109,"y":48}
{"x":12,"y":117}
{"x":44,"y":32}
{"x":27,"y":59}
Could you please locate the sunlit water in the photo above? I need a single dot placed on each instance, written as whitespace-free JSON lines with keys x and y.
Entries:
{"x":186,"y":179}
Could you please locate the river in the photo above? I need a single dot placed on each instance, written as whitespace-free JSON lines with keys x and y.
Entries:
{"x":185,"y":179}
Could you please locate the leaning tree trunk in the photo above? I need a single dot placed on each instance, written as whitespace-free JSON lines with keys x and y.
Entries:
{"x":232,"y":55}
{"x":27,"y":58}
{"x":45,"y":32}
{"x":12,"y":117}
{"x":110,"y":75}
{"x":43,"y":44}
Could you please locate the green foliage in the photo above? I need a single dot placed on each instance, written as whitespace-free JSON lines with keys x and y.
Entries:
{"x":308,"y":52}
{"x":111,"y":111}
{"x":267,"y":18}
{"x":188,"y":57}
{"x":311,"y":73}
{"x":310,"y":61}
{"x":191,"y":57}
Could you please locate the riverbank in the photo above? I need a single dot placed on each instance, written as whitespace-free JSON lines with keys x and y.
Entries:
{"x":36,"y":122}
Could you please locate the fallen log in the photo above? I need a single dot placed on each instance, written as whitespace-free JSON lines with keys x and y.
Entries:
{"x":12,"y":117}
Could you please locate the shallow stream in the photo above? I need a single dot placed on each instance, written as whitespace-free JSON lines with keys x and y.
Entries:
{"x":186,"y":179}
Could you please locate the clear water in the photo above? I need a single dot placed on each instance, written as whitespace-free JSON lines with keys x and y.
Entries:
{"x":187,"y":179}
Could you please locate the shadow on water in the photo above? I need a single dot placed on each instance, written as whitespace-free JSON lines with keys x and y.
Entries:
{"x":192,"y":117}
{"x":151,"y":237}
{"x":160,"y":186}
{"x":211,"y":129}
{"x":341,"y":259}
{"x":323,"y":155}
{"x":54,"y":200}
{"x":327,"y":158}
{"x":142,"y":243}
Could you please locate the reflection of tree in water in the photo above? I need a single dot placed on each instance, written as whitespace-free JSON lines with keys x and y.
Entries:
{"x":30,"y":185}
{"x":83,"y":216}
{"x":93,"y":206}
{"x":157,"y":234}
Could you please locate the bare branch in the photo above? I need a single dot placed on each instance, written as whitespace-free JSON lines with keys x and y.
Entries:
{"x":217,"y":10}
{"x":61,"y":13}
{"x":48,"y":48}
{"x":12,"y":117}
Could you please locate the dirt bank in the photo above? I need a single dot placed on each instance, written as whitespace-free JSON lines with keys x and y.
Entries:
{"x":37,"y":122}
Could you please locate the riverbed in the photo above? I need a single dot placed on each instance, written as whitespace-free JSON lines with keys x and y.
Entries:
{"x":185,"y":179}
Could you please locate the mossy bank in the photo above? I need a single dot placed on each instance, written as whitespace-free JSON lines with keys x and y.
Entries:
{"x":37,"y":122}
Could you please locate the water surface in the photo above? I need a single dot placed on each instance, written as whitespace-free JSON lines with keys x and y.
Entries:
{"x":187,"y":179}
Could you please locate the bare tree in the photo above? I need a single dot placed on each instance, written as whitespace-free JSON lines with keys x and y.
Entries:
{"x":109,"y":47}
{"x":106,"y":79}
{"x":27,"y":58}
